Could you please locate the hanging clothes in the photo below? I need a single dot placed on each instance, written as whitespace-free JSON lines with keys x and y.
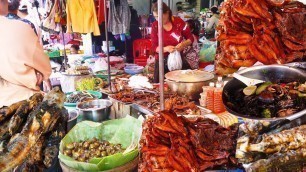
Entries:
{"x":100,"y":11}
{"x":81,"y":17}
{"x":119,"y":16}
{"x":50,"y":23}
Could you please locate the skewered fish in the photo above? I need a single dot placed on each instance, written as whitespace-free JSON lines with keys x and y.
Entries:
{"x":278,"y":142}
{"x":40,"y":121}
{"x":4,"y":133}
{"x":279,"y":160}
{"x":22,"y":113}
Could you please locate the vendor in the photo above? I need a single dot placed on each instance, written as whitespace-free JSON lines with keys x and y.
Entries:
{"x":176,"y":36}
{"x":24,"y":65}
{"x":74,"y":49}
{"x":213,"y":21}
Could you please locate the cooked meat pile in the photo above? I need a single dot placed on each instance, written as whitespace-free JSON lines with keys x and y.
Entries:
{"x":170,"y":143}
{"x":265,"y":30}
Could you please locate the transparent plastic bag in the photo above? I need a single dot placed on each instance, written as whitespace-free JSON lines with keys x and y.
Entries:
{"x":208,"y":50}
{"x":175,"y":61}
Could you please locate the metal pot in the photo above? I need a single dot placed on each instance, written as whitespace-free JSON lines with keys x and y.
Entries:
{"x":191,"y":89}
{"x":95,"y":110}
{"x":186,"y":82}
{"x":273,"y":73}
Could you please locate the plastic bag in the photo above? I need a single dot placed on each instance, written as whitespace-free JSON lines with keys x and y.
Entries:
{"x":100,"y":64}
{"x":175,"y":61}
{"x":208,"y":50}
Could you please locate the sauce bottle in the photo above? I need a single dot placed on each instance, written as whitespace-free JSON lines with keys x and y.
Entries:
{"x":210,"y":96}
{"x":218,"y":103}
{"x":219,"y":81}
{"x":203,"y":96}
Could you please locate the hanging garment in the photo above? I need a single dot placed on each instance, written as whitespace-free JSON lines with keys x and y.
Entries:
{"x":119,"y":16}
{"x":100,"y":11}
{"x":81,"y":17}
{"x":50,"y":24}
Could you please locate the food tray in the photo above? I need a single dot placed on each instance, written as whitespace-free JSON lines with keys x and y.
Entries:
{"x":115,"y":100}
{"x":113,"y":73}
{"x":66,"y":74}
{"x":95,"y":93}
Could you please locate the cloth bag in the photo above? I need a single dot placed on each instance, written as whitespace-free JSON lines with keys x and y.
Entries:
{"x":175,"y":61}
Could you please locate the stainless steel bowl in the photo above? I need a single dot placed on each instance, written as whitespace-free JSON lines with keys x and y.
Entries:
{"x":95,"y":110}
{"x":191,"y":89}
{"x":72,"y":121}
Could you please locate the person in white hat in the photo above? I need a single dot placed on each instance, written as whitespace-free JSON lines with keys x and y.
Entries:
{"x":24,"y":65}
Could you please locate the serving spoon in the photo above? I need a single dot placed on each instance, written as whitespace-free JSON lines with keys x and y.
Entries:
{"x":247,"y":81}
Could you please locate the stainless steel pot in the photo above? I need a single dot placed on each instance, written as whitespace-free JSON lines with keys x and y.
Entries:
{"x":191,"y":89}
{"x":187,"y":83}
{"x":95,"y":110}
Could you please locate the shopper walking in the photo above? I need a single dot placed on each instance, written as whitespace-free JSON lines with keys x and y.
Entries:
{"x":176,"y":36}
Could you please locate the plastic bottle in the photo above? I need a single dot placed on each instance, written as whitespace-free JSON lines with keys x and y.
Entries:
{"x":218,"y":103}
{"x":210,"y":96}
{"x":203,"y":96}
{"x":219,"y":81}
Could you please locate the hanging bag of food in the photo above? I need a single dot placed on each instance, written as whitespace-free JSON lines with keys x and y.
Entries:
{"x":175,"y":61}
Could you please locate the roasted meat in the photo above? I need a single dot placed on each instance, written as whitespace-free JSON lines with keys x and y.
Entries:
{"x":176,"y":143}
{"x":274,"y":32}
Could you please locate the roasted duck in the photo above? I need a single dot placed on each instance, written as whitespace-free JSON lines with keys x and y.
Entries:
{"x":40,"y":121}
{"x":268,"y":31}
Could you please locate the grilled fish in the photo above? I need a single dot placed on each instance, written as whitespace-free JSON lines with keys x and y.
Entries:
{"x":22,"y":113}
{"x":278,"y":142}
{"x":4,"y":133}
{"x":9,"y":111}
{"x":280,"y":160}
{"x":40,"y":121}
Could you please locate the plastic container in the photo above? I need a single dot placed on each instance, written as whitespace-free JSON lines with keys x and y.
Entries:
{"x":210,"y":96}
{"x":204,"y":97}
{"x":218,"y":102}
{"x":132,"y":70}
{"x":219,"y":81}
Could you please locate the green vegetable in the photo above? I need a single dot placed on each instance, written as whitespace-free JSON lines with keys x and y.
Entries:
{"x":125,"y":131}
{"x":302,"y":95}
{"x":266,"y":113}
{"x":249,"y":90}
{"x":85,"y":84}
{"x":262,"y":87}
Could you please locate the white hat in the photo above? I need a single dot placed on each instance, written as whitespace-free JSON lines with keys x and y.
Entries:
{"x":23,"y":5}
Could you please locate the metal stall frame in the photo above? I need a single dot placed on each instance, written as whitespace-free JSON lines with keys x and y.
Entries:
{"x":161,"y":53}
{"x":107,"y":44}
